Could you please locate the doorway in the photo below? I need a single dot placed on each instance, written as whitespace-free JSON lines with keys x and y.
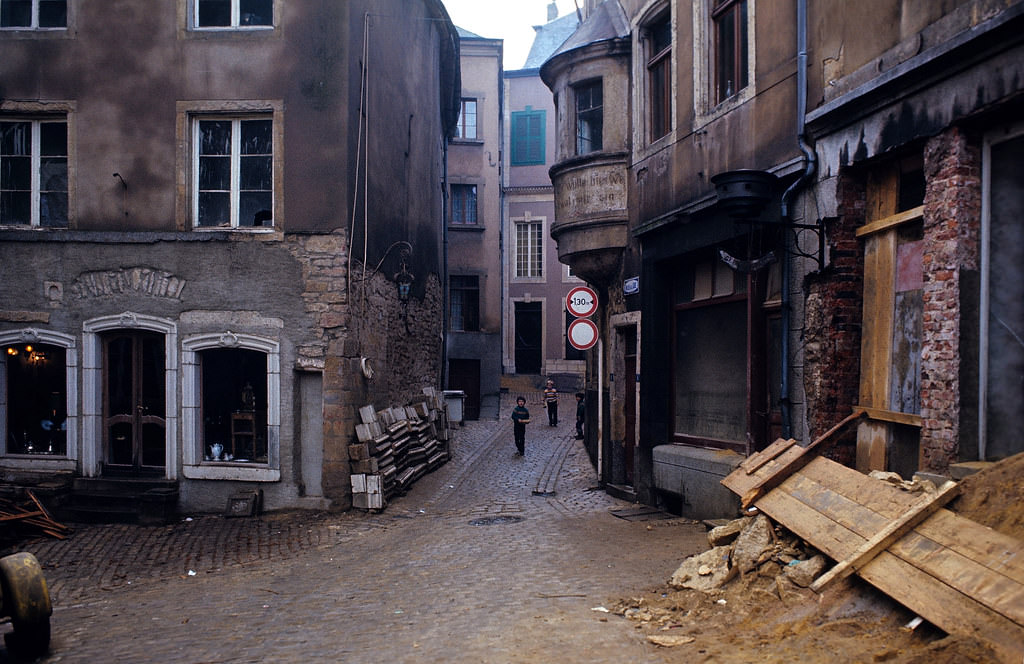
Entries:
{"x":134,"y":417}
{"x":629,"y":399}
{"x":465,"y":375}
{"x":528,"y":337}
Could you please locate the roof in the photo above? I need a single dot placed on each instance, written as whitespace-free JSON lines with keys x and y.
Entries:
{"x":549,"y":37}
{"x":608,"y":21}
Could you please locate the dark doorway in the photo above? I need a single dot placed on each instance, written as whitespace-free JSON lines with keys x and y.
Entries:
{"x":629,"y":399}
{"x":133,"y":403}
{"x":465,"y":375}
{"x":528,"y":337}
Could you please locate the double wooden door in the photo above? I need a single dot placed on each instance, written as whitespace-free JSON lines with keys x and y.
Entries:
{"x":134,"y":411}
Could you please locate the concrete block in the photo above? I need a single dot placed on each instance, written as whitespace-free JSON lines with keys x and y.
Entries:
{"x":695,"y":475}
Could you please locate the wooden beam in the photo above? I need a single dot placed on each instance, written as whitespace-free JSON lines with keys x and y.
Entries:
{"x":795,"y":458}
{"x":928,"y":505}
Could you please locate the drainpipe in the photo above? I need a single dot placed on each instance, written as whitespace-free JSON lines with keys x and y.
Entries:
{"x":444,"y":264}
{"x":810,"y":163}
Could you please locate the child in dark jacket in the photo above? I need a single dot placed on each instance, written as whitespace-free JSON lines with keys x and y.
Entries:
{"x":520,"y":418}
{"x":581,"y":413}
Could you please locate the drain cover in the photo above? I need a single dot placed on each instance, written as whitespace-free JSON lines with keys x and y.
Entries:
{"x":495,"y":520}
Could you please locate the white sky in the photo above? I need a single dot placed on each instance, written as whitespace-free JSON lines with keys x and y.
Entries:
{"x":511,"y":20}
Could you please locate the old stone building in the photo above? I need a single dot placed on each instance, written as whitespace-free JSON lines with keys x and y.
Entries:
{"x":220,"y":235}
{"x":795,"y":217}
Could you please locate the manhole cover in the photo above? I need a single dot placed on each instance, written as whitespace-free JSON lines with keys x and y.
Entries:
{"x":495,"y":520}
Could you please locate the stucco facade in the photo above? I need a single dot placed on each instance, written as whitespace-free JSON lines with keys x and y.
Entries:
{"x":237,"y":214}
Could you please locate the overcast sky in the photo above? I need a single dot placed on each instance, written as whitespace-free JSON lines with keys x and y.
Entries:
{"x":511,"y":20}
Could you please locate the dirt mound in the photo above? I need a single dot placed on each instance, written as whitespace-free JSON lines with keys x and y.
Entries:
{"x":994,"y":497}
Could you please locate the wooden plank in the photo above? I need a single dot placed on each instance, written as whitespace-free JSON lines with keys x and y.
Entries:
{"x":893,"y":220}
{"x":796,"y":458}
{"x":927,"y":505}
{"x":923,"y":594}
{"x":754,"y":462}
{"x":997,"y":551}
{"x":881,"y":497}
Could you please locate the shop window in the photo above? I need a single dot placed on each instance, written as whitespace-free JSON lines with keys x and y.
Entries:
{"x":33,"y":14}
{"x":466,"y":126}
{"x":234,"y":405}
{"x":589,"y":117}
{"x":34,"y":172}
{"x":464,"y":204}
{"x":234,"y":13}
{"x":234,"y":172}
{"x":36,"y":398}
{"x":527,"y":137}
{"x":465,"y":303}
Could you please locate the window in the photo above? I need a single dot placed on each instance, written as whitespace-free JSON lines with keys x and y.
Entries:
{"x":659,"y":77}
{"x":527,"y":137}
{"x":589,"y":117}
{"x":233,"y":172}
{"x":529,"y":249}
{"x":36,"y":398}
{"x":234,"y":13}
{"x":466,"y":127}
{"x":33,"y":14}
{"x":234,"y":404}
{"x":731,"y":70}
{"x":464,"y":204}
{"x":34,"y":172}
{"x":465,"y":303}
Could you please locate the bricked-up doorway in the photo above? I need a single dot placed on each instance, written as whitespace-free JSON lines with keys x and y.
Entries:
{"x":529,"y":320}
{"x":134,"y":421}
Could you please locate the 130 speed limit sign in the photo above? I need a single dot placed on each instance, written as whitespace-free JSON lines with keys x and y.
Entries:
{"x":581,"y":301}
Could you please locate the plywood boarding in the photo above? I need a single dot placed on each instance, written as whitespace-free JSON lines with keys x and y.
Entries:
{"x":959,"y":575}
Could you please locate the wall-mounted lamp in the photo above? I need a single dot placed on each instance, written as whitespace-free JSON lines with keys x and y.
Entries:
{"x":743,"y":195}
{"x":404,"y":280}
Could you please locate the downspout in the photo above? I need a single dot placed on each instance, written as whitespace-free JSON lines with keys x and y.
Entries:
{"x":810,"y":164}
{"x":444,"y":264}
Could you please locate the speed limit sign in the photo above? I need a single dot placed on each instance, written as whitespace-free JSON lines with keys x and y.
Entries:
{"x":581,"y":301}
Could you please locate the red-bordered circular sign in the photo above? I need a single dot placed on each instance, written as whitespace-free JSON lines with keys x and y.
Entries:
{"x":582,"y":333}
{"x":581,"y":301}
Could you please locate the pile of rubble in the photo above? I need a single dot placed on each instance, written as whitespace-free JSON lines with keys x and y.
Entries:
{"x":26,"y":518}
{"x":396,"y":447}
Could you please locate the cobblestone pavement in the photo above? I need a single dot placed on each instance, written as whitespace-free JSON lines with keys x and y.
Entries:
{"x":491,"y":558}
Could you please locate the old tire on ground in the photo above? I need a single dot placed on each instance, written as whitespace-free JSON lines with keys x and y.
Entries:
{"x":26,"y":600}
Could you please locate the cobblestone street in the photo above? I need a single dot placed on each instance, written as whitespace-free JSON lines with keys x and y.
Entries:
{"x":491,"y":558}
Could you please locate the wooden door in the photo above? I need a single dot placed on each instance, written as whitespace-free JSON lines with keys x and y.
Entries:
{"x":134,"y":414}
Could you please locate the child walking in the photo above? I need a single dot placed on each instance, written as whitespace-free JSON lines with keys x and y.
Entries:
{"x":520,"y":418}
{"x":581,"y":414}
{"x":551,"y":403}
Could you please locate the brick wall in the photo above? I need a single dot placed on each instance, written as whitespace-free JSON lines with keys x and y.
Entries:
{"x":832,"y":324}
{"x":952,"y":221}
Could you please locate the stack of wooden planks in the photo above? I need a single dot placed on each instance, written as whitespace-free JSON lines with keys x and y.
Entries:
{"x":28,"y":518}
{"x":396,"y":447}
{"x":961,"y":576}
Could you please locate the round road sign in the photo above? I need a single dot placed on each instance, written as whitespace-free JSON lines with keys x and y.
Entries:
{"x":581,"y":301}
{"x":582,"y":333}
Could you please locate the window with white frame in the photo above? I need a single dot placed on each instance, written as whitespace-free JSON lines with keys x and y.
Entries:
{"x":466,"y":127}
{"x":33,"y":14}
{"x":723,"y":56}
{"x":465,"y":303}
{"x":233,"y":172}
{"x":233,"y":13}
{"x":529,"y":249}
{"x":33,"y":397}
{"x":34,"y":172}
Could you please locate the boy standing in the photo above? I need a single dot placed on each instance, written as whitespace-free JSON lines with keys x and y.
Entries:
{"x":551,"y":402}
{"x":520,"y":418}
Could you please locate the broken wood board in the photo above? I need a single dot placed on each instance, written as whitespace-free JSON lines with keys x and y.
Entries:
{"x":961,"y":576}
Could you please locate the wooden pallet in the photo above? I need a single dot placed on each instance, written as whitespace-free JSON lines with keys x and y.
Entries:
{"x":961,"y":576}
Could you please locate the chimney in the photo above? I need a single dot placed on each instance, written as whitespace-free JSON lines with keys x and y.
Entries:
{"x":552,"y":11}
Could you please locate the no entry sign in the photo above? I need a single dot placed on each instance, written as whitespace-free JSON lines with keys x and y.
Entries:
{"x":582,"y":333}
{"x":581,"y":301}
